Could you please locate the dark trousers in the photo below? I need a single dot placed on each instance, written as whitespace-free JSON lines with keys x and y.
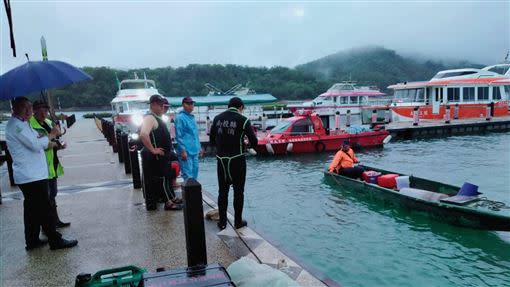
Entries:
{"x":52,"y":194}
{"x":231,"y":172}
{"x":352,"y":172}
{"x":157,"y":178}
{"x":37,"y":212}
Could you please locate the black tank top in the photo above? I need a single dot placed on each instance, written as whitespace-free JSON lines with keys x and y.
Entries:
{"x":160,"y":137}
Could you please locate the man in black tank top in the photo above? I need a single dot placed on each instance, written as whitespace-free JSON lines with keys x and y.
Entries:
{"x":156,"y":157}
{"x":227,"y":134}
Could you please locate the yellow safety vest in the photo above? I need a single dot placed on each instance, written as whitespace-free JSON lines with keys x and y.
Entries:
{"x":50,"y":154}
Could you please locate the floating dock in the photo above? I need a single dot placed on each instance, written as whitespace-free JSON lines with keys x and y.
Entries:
{"x":429,"y":129}
{"x":109,"y":219}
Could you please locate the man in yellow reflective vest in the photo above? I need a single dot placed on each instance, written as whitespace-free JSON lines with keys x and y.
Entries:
{"x":43,"y":125}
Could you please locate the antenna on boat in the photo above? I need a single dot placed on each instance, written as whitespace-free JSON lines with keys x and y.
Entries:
{"x":213,"y":89}
{"x":506,"y":57}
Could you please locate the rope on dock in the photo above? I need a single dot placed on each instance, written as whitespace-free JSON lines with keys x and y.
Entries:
{"x":98,"y":124}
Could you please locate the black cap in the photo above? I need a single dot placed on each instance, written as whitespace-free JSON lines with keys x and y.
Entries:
{"x":156,"y":99}
{"x":40,"y":104}
{"x":235,"y":102}
{"x":188,"y":100}
{"x":346,"y":142}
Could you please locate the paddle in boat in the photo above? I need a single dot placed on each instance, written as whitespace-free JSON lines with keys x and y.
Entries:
{"x":305,"y":133}
{"x":454,"y":205}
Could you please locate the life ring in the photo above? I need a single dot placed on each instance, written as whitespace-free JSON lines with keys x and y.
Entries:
{"x":320,"y":146}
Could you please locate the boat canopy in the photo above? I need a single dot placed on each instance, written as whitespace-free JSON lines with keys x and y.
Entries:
{"x":223,"y":100}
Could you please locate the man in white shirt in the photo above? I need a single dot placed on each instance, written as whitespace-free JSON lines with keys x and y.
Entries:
{"x":31,"y":175}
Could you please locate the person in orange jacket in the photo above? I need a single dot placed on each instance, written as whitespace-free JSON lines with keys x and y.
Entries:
{"x":343,"y":162}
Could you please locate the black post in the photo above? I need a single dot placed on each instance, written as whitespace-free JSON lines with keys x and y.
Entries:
{"x":8,"y":159}
{"x":194,"y":223}
{"x":119,"y":145}
{"x":135,"y":166}
{"x":125,"y":152}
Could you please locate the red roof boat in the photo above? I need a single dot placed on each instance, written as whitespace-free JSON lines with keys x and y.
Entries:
{"x":305,"y":133}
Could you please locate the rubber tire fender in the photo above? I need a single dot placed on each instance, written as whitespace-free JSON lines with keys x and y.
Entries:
{"x":320,"y":147}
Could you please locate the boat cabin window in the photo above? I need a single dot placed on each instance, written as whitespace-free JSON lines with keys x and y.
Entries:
{"x":363,"y":100}
{"x":138,"y":106}
{"x":507,"y":93}
{"x":483,"y":93}
{"x":303,"y":126}
{"x":119,"y":108}
{"x":281,"y":127}
{"x":420,"y":95}
{"x":453,"y":94}
{"x":499,"y":69}
{"x":496,"y":93}
{"x":353,"y":100}
{"x":322,"y":99}
{"x":468,"y":94}
{"x":410,"y":95}
{"x":453,"y":74}
{"x":343,"y":100}
{"x":136,"y":85}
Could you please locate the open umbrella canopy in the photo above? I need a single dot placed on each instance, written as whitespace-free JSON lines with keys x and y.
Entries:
{"x":37,"y":76}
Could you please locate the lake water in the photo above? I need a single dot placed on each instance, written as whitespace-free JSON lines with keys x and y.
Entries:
{"x":365,"y":243}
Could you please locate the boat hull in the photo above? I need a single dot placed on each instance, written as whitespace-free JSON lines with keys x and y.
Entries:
{"x":314,"y":143}
{"x":465,"y":111}
{"x":445,"y":212}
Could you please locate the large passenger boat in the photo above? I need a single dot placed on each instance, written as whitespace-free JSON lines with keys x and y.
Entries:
{"x":132,"y":102}
{"x":340,"y":98}
{"x":468,"y":93}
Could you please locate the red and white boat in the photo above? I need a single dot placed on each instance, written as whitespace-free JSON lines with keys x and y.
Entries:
{"x":131,"y":102}
{"x":340,"y":98}
{"x":469,"y":93}
{"x":305,"y":133}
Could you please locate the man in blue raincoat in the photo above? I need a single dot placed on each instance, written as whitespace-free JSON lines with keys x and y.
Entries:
{"x":188,"y":142}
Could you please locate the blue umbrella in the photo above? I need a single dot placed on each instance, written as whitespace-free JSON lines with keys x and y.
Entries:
{"x":35,"y":76}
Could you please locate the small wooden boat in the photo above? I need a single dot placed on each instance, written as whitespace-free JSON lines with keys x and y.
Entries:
{"x":436,"y":199}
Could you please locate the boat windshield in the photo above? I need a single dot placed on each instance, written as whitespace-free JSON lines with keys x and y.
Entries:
{"x":136,"y":85}
{"x":281,"y":127}
{"x":321,"y":99}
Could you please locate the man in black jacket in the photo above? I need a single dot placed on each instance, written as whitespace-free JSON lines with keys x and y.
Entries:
{"x":227,"y":134}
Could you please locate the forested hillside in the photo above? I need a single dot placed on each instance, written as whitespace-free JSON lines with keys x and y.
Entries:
{"x":367,"y":66}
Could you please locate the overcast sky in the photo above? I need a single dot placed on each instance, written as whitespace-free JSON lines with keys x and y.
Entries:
{"x":135,"y":34}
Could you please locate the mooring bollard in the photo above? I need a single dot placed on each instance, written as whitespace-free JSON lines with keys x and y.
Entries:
{"x":135,"y":164}
{"x":387,"y":114}
{"x":125,"y":152}
{"x":118,"y":132}
{"x":416,"y":115}
{"x":264,"y":122}
{"x":348,"y":118}
{"x":8,"y":160}
{"x":488,"y":112}
{"x":111,"y":133}
{"x":447,"y":114}
{"x":337,"y":120}
{"x":194,"y":223}
{"x":456,"y":112}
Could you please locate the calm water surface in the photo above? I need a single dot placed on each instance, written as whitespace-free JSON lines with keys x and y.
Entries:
{"x":364,"y":243}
